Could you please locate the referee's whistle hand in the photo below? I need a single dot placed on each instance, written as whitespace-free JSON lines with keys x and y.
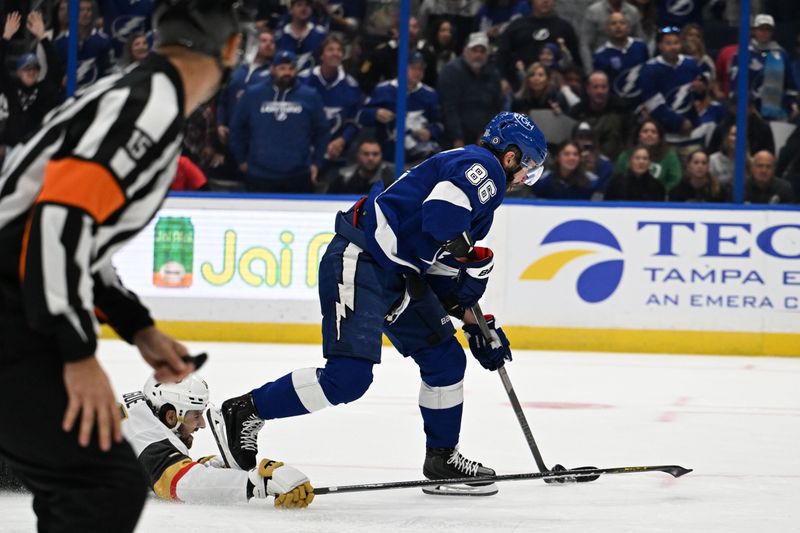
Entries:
{"x":163,"y":353}
{"x":90,"y":397}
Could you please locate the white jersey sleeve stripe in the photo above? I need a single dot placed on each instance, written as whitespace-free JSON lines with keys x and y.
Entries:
{"x":387,"y":240}
{"x":447,"y":191}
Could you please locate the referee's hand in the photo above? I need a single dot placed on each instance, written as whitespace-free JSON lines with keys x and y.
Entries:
{"x":89,"y":395}
{"x":163,"y":353}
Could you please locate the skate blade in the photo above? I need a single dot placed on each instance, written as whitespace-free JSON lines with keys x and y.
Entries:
{"x":217,"y":425}
{"x":461,"y":490}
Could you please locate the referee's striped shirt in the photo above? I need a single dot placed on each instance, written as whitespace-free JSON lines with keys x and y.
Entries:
{"x":86,"y":183}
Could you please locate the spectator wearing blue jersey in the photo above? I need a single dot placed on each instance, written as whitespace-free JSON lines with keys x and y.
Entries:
{"x":246,"y":74}
{"x":341,"y":97}
{"x":771,"y":83}
{"x":494,"y":16}
{"x":471,"y":93}
{"x":705,"y":114}
{"x":594,"y":30}
{"x":568,"y":179}
{"x":125,"y":18}
{"x":279,"y":132}
{"x":664,"y":82}
{"x":94,"y":47}
{"x":301,"y":36}
{"x":679,"y":13}
{"x":620,"y":53}
{"x":341,"y":16}
{"x":422,"y":128}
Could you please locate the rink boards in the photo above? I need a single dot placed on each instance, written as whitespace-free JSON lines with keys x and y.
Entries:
{"x":571,"y":276}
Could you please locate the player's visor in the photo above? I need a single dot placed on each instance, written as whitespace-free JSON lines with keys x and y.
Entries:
{"x":533,"y":170}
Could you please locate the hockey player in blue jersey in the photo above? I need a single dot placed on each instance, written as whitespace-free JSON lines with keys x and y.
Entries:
{"x":403,"y":260}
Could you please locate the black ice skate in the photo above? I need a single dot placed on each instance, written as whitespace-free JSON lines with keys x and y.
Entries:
{"x":235,"y":427}
{"x":445,"y":463}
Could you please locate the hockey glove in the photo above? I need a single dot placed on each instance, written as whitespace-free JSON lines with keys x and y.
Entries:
{"x":467,"y":284}
{"x":491,"y":353}
{"x":290,"y":486}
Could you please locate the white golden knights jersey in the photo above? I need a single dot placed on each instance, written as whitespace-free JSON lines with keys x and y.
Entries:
{"x":173,"y":475}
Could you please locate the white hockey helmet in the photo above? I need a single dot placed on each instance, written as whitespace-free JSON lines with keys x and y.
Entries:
{"x":189,"y":394}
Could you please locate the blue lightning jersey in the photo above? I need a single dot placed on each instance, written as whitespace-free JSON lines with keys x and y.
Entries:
{"x":614,"y":61}
{"x":436,"y":201}
{"x":306,"y":47}
{"x":123,"y":18}
{"x":341,"y":98}
{"x":666,"y":89}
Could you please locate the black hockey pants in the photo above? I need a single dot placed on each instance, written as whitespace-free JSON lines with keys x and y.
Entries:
{"x":74,"y":489}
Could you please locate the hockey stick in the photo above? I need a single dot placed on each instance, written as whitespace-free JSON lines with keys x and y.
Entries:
{"x":594,"y":473}
{"x":523,"y":421}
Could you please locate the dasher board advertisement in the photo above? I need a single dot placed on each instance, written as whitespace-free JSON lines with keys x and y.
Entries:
{"x":269,"y":254}
{"x":652,"y":268}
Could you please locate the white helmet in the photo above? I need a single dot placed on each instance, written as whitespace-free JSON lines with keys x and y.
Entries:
{"x":189,"y":394}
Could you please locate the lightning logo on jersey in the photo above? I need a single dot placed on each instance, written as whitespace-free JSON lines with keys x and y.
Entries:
{"x":347,"y":288}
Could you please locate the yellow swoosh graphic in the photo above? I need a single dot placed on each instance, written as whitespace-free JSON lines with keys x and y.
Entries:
{"x":548,"y":266}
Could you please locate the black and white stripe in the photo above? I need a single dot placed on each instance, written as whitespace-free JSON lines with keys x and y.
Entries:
{"x":129,"y":124}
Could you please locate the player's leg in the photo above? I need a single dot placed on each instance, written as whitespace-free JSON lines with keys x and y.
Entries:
{"x":424,"y":333}
{"x":74,"y":488}
{"x":352,"y":298}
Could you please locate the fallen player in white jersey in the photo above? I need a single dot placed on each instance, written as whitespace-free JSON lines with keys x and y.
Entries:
{"x":159,"y":421}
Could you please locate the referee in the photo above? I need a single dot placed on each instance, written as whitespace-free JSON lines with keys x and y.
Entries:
{"x":80,"y":188}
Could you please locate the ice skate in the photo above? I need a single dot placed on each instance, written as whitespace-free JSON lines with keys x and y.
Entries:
{"x":235,"y":427}
{"x":446,"y":463}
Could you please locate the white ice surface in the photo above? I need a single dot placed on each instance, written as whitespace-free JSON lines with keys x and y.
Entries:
{"x":736,"y":421}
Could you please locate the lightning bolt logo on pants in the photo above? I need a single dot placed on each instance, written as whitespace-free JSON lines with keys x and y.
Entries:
{"x":347,"y":288}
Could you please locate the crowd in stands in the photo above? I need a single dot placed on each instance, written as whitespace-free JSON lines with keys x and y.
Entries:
{"x":636,"y":97}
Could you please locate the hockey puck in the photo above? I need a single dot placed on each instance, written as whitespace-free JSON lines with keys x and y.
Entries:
{"x":198,"y":360}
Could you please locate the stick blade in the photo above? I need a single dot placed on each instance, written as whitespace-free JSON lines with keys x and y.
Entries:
{"x":677,"y":471}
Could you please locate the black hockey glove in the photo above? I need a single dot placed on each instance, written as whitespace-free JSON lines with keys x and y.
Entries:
{"x":491,"y":353}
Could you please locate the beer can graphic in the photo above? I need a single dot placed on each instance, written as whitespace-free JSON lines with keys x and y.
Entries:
{"x":173,"y":252}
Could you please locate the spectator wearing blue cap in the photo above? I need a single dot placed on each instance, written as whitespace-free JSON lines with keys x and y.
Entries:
{"x":29,"y":94}
{"x":279,"y":131}
{"x":422,"y":128}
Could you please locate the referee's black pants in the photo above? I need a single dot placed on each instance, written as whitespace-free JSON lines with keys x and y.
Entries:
{"x":74,"y":489}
